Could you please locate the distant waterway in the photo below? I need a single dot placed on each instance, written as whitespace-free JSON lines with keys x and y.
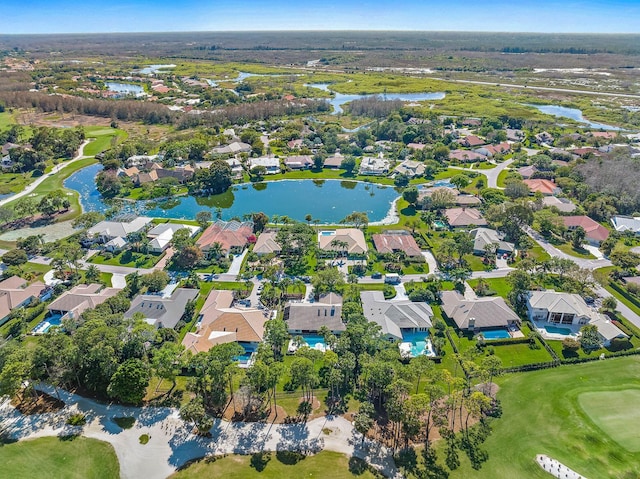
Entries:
{"x":152,"y":69}
{"x":328,"y":201}
{"x":124,"y":88}
{"x":340,"y":99}
{"x":572,"y":113}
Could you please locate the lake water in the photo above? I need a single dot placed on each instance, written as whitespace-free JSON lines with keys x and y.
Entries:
{"x":340,"y":99}
{"x":326,"y":200}
{"x":151,"y":69}
{"x":124,"y":88}
{"x":572,"y":113}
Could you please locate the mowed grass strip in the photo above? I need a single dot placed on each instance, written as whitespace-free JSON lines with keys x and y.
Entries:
{"x":276,"y":466}
{"x":614,"y":412}
{"x":54,"y":458}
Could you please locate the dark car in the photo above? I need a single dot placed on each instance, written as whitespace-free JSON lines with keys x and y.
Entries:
{"x":376,"y":275}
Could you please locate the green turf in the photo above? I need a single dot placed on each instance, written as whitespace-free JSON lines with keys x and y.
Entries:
{"x":278,"y":465}
{"x":541,"y":415}
{"x":53,"y":458}
{"x":613,"y":412}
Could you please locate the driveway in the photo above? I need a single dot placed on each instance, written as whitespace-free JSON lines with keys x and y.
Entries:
{"x":236,"y":264}
{"x":431,"y":261}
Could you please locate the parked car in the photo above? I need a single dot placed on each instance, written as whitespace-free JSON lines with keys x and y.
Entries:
{"x":376,"y":275}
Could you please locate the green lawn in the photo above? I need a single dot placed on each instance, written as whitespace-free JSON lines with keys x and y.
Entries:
{"x":52,"y":458}
{"x":499,"y":285}
{"x":570,"y":250}
{"x":612,"y":412}
{"x":128,"y":258}
{"x":542,"y":415}
{"x":277,"y":465}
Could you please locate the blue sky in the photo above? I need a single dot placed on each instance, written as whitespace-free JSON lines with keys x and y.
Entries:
{"x":72,"y":16}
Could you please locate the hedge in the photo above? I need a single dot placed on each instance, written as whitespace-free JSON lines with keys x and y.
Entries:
{"x":623,"y":292}
{"x":506,"y":341}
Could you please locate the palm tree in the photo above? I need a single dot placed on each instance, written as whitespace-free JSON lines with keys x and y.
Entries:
{"x":216,"y":250}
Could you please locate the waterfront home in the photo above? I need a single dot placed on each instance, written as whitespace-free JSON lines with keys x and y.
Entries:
{"x":298,"y":162}
{"x":544,"y":138}
{"x":626,"y":223}
{"x":479,"y":313}
{"x":160,"y":311}
{"x":140,"y":160}
{"x":515,"y":135}
{"x":236,"y":167}
{"x":161,"y":235}
{"x":374,"y":166}
{"x":271,"y":164}
{"x":485,"y":236}
{"x":72,"y":303}
{"x":16,"y":293}
{"x":394,"y":241}
{"x":396,"y":319}
{"x":595,"y":232}
{"x":460,"y":199}
{"x":492,"y":150}
{"x":267,"y":244}
{"x":410,"y":168}
{"x":571,"y":311}
{"x":232,"y":236}
{"x":462,"y":217}
{"x":346,"y":241}
{"x":106,"y":231}
{"x":334,"y":161}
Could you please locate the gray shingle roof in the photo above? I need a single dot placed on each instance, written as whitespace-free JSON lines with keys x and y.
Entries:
{"x":487,"y":312}
{"x":162,"y":311}
{"x":394,"y":316}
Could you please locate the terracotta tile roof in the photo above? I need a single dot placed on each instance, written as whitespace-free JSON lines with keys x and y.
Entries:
{"x":594,"y":230}
{"x":388,"y":243}
{"x":464,"y":217}
{"x":546,"y":187}
{"x":231,"y":234}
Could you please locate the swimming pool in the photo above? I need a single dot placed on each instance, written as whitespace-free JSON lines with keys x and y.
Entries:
{"x":499,"y":333}
{"x":46,"y":324}
{"x":443,"y":184}
{"x":557,"y":330}
{"x":417,"y":343}
{"x":327,"y":233}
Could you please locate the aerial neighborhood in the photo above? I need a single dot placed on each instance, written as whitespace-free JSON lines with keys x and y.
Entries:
{"x":268,"y":244}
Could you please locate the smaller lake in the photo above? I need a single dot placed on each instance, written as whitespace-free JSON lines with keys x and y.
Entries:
{"x":326,"y":200}
{"x":572,"y":113}
{"x":340,"y":99}
{"x":151,"y":69}
{"x":124,"y":88}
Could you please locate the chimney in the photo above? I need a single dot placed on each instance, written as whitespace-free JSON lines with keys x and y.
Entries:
{"x":318,"y":312}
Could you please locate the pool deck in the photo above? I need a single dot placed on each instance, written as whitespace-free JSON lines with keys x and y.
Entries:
{"x":541,"y":328}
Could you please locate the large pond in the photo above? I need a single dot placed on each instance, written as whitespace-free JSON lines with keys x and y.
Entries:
{"x":151,"y":69}
{"x":572,"y":113}
{"x":340,"y":99}
{"x":329,"y":201}
{"x":124,"y":88}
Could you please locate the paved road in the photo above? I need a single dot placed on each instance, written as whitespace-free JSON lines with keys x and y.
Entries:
{"x":492,"y":174}
{"x":29,"y":189}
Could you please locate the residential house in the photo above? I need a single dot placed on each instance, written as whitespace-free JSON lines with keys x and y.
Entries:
{"x":544,"y":138}
{"x":232,"y":236}
{"x":106,"y":231}
{"x":582,"y":152}
{"x":527,"y":171}
{"x":374,"y":166}
{"x":140,"y":160}
{"x":298,"y":162}
{"x":161,"y":235}
{"x":232,"y":148}
{"x":546,"y":187}
{"x":471,"y":141}
{"x":410,"y":168}
{"x":552,"y":307}
{"x":563,"y":205}
{"x":416,"y":146}
{"x":396,"y":318}
{"x":397,"y":240}
{"x":295,"y":144}
{"x":485,"y":236}
{"x":236,"y":167}
{"x":303,"y":318}
{"x":472,"y":122}
{"x":16,"y":293}
{"x":466,"y":156}
{"x":461,"y":217}
{"x":460,"y":199}
{"x":478,"y":314}
{"x":72,"y":303}
{"x":271,"y":164}
{"x":626,"y":223}
{"x":595,"y":232}
{"x":334,"y":161}
{"x":349,"y":241}
{"x":267,"y":244}
{"x":604,"y":135}
{"x":515,"y":135}
{"x":160,"y":311}
{"x":492,"y":150}
{"x":219,"y":323}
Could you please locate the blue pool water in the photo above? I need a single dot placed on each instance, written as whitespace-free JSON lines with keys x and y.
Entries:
{"x":496,"y":334}
{"x":443,"y":184}
{"x":312,"y":340}
{"x":327,"y":233}
{"x":557,"y":330}
{"x":47,"y":324}
{"x":418,"y":342}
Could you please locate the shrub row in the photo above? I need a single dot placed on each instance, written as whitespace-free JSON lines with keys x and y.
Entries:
{"x":531,"y":367}
{"x":623,"y":292}
{"x":505,"y":341}
{"x":628,"y":352}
